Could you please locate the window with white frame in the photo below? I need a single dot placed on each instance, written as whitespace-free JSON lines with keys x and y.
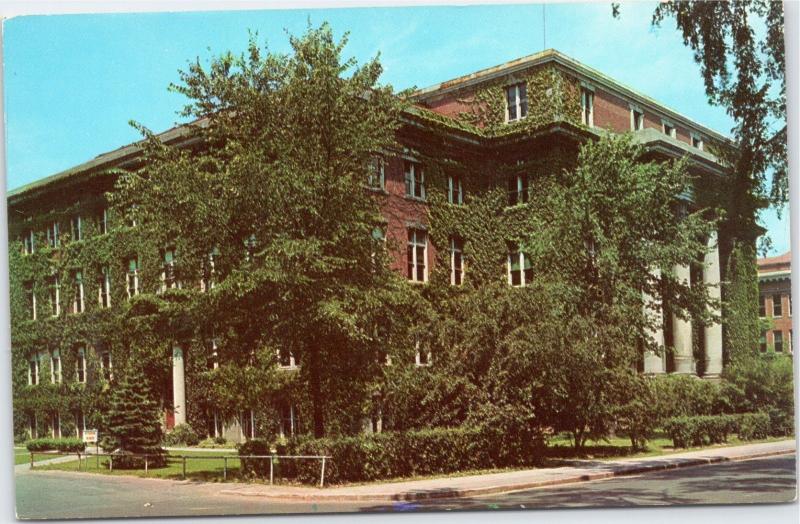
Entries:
{"x":55,"y":296}
{"x":637,"y":119}
{"x":105,"y":365}
{"x":104,"y":287}
{"x":28,"y":240}
{"x":30,"y":299}
{"x":288,"y":425}
{"x":587,"y":106}
{"x":777,"y":341}
{"x":77,"y":292}
{"x":207,"y":283}
{"x":33,"y":371}
{"x":168,"y":278}
{"x":668,"y":128}
{"x":455,"y":192}
{"x":516,"y":102}
{"x":697,"y":141}
{"x":133,"y":277}
{"x":286,"y":358}
{"x":517,"y":189}
{"x":376,"y":177}
{"x":417,"y":255}
{"x":415,"y":179}
{"x":520,"y":272}
{"x":456,"y":261}
{"x":80,"y":366}
{"x":777,"y":306}
{"x":422,"y":356}
{"x":55,"y":368}
{"x":52,"y":234}
{"x":76,"y":228}
{"x":762,"y":306}
{"x":102,"y":221}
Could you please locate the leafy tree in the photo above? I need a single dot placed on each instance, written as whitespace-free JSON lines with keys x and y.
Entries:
{"x":271,"y":200}
{"x":133,"y":419}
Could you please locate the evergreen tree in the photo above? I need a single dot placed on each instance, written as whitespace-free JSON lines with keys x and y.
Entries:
{"x":133,"y":420}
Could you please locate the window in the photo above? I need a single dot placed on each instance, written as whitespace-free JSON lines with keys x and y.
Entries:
{"x":587,"y":107}
{"x":30,"y":299}
{"x":286,"y":358}
{"x":105,"y":365}
{"x":288,"y":426}
{"x":52,"y":234}
{"x":33,"y":371}
{"x":417,"y":255}
{"x":133,"y":277}
{"x":55,"y":296}
{"x":455,"y":193}
{"x":777,"y":306}
{"x":517,"y":102}
{"x":75,"y":228}
{"x":28,"y":241}
{"x":519,"y":267}
{"x":212,"y":362}
{"x":762,"y":342}
{"x":207,"y":282}
{"x":77,"y":300}
{"x":517,"y":189}
{"x":168,"y":280}
{"x":637,"y":119}
{"x":422,"y":357}
{"x":415,"y":180}
{"x":102,"y":221}
{"x":376,"y":178}
{"x":762,"y":306}
{"x":697,"y":141}
{"x":777,"y":339}
{"x":669,"y":129}
{"x":55,"y":369}
{"x":80,"y":366}
{"x":456,"y":261}
{"x":104,"y":287}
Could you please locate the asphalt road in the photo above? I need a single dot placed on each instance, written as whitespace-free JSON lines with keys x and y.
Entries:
{"x":64,"y":495}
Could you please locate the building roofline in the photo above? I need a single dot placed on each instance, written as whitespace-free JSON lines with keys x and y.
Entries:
{"x":590,"y":74}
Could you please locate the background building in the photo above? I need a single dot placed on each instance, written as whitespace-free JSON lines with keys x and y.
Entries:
{"x":775,"y":302}
{"x":73,"y":269}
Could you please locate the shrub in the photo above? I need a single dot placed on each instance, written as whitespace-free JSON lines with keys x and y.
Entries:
{"x":686,"y":396}
{"x":255,"y":467}
{"x":65,"y":445}
{"x":700,"y":430}
{"x":763,"y":384}
{"x":781,"y":424}
{"x":212,"y":443}
{"x":753,"y":426}
{"x":181,"y":435}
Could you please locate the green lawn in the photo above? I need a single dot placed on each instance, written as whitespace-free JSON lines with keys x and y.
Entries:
{"x":199,"y":467}
{"x":23,"y":456}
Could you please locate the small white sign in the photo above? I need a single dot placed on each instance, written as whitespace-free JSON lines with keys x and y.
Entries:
{"x":90,"y":436}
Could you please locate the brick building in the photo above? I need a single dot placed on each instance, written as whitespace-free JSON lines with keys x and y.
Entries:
{"x":775,"y":302}
{"x":510,"y":124}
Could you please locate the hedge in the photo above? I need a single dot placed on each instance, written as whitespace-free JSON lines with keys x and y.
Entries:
{"x":388,"y":455}
{"x":66,"y":445}
{"x":714,"y":429}
{"x":753,"y":426}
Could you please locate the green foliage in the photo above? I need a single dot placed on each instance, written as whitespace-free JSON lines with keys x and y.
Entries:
{"x":253,"y":467}
{"x":66,"y":445}
{"x":635,"y":410}
{"x":754,"y":426}
{"x":181,"y":435}
{"x":133,"y":419}
{"x":740,"y":305}
{"x":762,"y":383}
{"x":700,"y":430}
{"x":686,"y":396}
{"x":213,"y":443}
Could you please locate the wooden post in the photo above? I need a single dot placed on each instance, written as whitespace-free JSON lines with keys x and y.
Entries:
{"x":184,"y":467}
{"x":97,"y":453}
{"x":224,"y":468}
{"x":271,"y":462}
{"x":111,"y":463}
{"x":322,"y":474}
{"x":79,"y":461}
{"x":145,"y":464}
{"x":31,"y":459}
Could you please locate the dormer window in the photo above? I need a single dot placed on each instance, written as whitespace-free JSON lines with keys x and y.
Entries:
{"x":516,"y":102}
{"x":587,"y":106}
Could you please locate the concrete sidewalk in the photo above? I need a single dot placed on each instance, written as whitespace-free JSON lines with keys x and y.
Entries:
{"x":454,"y":487}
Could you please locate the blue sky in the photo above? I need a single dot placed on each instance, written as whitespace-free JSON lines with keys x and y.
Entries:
{"x":72,"y":82}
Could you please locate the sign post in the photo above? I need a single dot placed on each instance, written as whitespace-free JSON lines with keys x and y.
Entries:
{"x":90,"y":436}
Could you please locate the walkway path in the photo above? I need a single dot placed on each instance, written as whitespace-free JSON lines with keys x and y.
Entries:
{"x":454,"y":487}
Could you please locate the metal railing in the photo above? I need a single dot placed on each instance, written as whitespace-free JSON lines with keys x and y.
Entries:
{"x":183,"y":458}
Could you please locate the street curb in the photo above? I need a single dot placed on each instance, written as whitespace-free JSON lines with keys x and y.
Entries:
{"x":409,"y":496}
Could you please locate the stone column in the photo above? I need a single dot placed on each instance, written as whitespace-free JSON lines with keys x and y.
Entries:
{"x":682,"y":332}
{"x":178,"y":386}
{"x":654,"y":363}
{"x":713,"y":333}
